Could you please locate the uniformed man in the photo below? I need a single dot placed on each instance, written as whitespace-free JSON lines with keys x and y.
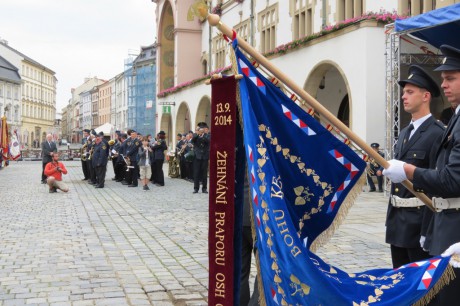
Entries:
{"x":201,"y":144}
{"x":89,"y":153}
{"x":84,"y":166}
{"x":113,"y":153}
{"x":120,"y":163}
{"x":131,"y":152}
{"x":375,"y":169}
{"x":407,"y":217}
{"x":123,"y":158}
{"x":99,"y":159}
{"x":443,"y":182}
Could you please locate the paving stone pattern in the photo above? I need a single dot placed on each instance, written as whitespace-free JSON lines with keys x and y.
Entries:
{"x":123,"y":246}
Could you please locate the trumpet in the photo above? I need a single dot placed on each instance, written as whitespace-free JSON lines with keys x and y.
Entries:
{"x":111,"y":142}
{"x":83,"y":152}
{"x":91,"y":153}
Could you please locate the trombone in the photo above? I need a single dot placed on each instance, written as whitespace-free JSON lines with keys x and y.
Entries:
{"x":128,"y":163}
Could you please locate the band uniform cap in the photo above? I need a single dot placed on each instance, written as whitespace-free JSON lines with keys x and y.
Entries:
{"x":139,"y":134}
{"x":100,"y":134}
{"x":124,"y":135}
{"x":375,"y":145}
{"x":451,"y":60}
{"x":162,"y":133}
{"x":179,"y":134}
{"x":202,"y":125}
{"x":117,"y":132}
{"x":420,"y":78}
{"x":133,"y":131}
{"x":86,"y":131}
{"x":93,"y":132}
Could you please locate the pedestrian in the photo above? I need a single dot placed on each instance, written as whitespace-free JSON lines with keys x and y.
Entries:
{"x":145,"y":159}
{"x":374,"y":169}
{"x":48,"y":148}
{"x":408,"y":218}
{"x":201,"y":143}
{"x":159,"y":149}
{"x":443,"y":182}
{"x":54,"y":170}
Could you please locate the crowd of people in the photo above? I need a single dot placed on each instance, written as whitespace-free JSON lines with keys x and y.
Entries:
{"x":137,"y":158}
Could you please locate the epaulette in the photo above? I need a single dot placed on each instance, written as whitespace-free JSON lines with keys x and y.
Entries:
{"x":440,"y":124}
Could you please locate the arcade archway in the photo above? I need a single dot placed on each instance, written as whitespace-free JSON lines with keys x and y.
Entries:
{"x":328,"y":84}
{"x":166,"y":126}
{"x":183,"y":119}
{"x":203,"y":113}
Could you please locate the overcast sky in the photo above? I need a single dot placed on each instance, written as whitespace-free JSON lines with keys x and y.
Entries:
{"x":78,"y":38}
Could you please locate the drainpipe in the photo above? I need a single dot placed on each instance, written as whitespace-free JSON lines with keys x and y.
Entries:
{"x":210,"y":44}
{"x":251,"y":25}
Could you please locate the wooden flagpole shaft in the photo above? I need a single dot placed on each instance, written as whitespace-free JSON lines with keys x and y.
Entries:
{"x":214,"y":20}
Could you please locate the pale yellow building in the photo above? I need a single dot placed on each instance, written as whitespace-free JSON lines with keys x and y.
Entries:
{"x":38,"y":96}
{"x":105,"y":95}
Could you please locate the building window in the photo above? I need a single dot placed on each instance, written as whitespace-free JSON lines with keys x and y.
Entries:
{"x":416,"y":7}
{"x":302,"y":12}
{"x":267,"y":21}
{"x":219,"y":45}
{"x":347,"y":9}
{"x":242,"y":29}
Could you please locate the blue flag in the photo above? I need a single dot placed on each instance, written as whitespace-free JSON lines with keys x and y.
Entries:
{"x":302,"y":181}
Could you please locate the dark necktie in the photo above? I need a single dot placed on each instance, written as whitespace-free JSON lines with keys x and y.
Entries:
{"x":407,"y":136}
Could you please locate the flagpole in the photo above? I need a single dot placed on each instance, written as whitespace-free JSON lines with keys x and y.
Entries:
{"x":214,"y":20}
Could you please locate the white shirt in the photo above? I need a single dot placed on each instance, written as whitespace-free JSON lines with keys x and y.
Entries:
{"x":456,"y":110}
{"x":417,"y":123}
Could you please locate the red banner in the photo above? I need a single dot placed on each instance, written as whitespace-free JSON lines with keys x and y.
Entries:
{"x":221,"y":191}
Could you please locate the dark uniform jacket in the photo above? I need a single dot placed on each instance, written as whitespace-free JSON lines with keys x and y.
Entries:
{"x":405,"y":225}
{"x":46,"y":150}
{"x":443,"y":182}
{"x":159,"y":149}
{"x":201,"y":146}
{"x":132,"y":149}
{"x":100,"y":154}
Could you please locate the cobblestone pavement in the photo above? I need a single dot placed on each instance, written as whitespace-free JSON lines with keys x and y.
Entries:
{"x":123,"y":246}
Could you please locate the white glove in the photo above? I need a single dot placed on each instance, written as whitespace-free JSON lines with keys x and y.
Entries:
{"x":395,"y":172}
{"x":454,"y":251}
{"x":422,"y":241}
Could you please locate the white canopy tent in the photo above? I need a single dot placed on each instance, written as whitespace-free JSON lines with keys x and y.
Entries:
{"x":106,"y":128}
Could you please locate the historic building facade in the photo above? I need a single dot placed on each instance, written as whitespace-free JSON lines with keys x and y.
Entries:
{"x":343,"y":67}
{"x":10,"y":94}
{"x":37,"y":96}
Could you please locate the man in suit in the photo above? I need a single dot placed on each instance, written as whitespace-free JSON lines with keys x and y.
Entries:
{"x":48,"y":148}
{"x":407,"y":217}
{"x":84,"y":166}
{"x":443,"y":182}
{"x":201,"y":142}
